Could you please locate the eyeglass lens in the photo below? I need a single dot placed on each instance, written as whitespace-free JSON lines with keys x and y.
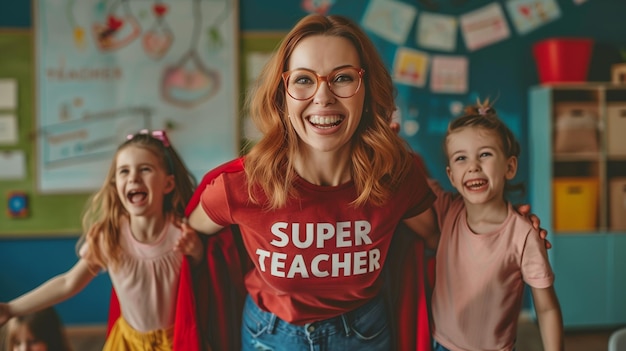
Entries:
{"x":302,"y":84}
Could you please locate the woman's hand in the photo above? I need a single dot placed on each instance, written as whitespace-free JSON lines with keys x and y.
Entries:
{"x":5,"y":313}
{"x":525,"y":211}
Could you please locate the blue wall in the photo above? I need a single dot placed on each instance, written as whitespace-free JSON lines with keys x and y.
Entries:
{"x":505,"y":70}
{"x":27,"y":263}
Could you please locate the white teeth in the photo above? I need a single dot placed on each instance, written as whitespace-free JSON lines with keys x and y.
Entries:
{"x":475,"y":183}
{"x":324,"y":120}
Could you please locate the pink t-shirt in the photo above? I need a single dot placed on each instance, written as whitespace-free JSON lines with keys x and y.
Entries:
{"x":146,"y":282}
{"x":318,"y":256}
{"x":479,"y":279}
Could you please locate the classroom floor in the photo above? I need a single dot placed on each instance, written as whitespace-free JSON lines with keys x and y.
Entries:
{"x":92,"y":339}
{"x":529,"y":339}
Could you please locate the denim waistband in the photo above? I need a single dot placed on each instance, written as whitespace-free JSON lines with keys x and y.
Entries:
{"x":339,"y":324}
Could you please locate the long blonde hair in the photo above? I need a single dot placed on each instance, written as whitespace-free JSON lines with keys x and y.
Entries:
{"x":104,"y":210}
{"x":380,"y":158}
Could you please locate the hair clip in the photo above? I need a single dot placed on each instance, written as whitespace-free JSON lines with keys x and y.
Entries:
{"x":483,"y":110}
{"x":157,"y":134}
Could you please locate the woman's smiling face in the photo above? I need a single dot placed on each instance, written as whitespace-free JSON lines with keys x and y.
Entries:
{"x":325,"y":122}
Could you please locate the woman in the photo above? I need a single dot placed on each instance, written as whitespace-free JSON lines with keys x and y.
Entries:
{"x":321,"y":194}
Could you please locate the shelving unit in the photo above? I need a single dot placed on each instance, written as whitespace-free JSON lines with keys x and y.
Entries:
{"x":577,"y":148}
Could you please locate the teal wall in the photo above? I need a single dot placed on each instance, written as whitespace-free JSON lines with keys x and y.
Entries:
{"x":505,"y":70}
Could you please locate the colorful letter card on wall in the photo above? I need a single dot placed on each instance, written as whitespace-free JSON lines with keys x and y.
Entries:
{"x":410,"y":67}
{"x":391,"y":20}
{"x":484,"y":26}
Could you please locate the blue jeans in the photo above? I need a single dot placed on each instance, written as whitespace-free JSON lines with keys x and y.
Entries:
{"x":439,"y":347}
{"x":365,"y":328}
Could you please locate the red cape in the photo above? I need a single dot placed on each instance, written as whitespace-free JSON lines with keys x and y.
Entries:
{"x":213,"y":320}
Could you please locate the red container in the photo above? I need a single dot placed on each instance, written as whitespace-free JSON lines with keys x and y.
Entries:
{"x":563,"y":59}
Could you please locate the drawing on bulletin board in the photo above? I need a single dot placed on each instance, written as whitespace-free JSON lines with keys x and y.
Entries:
{"x":108,"y":68}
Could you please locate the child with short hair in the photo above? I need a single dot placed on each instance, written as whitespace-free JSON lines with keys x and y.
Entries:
{"x":133,"y":228}
{"x":487,"y":250}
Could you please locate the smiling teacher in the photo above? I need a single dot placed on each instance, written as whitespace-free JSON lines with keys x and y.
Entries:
{"x":321,"y":194}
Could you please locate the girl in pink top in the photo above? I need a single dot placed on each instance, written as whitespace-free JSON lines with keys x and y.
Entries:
{"x":133,"y":229}
{"x":487,"y":250}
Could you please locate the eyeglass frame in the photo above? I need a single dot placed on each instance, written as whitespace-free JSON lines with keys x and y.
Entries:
{"x":287,"y":74}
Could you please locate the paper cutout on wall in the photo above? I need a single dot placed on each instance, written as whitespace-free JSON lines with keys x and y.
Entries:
{"x":120,"y":28}
{"x":437,"y":31}
{"x":448,"y":74}
{"x":12,"y":165}
{"x":189,"y":82}
{"x":528,"y":15}
{"x":410,"y":67}
{"x":158,"y":39}
{"x":17,"y":204}
{"x":317,"y":6}
{"x":390,"y":19}
{"x":8,"y":94}
{"x":8,"y":129}
{"x":484,"y":26}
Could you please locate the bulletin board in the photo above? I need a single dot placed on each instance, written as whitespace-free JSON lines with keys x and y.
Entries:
{"x":47,"y":214}
{"x":55,"y":208}
{"x":106,"y":69}
{"x":59,"y":214}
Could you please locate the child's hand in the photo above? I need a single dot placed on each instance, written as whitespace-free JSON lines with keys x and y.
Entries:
{"x":5,"y":313}
{"x":189,"y":243}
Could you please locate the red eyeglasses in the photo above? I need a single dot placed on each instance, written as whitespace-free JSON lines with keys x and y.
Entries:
{"x":302,"y":84}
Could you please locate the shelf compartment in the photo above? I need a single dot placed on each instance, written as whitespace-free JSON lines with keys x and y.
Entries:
{"x":616,"y":125}
{"x":617,"y":204}
{"x":577,"y":156}
{"x":575,"y":203}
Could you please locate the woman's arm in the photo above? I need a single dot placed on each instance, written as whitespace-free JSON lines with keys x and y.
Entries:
{"x":549,"y":317}
{"x":425,"y":225}
{"x":53,"y":291}
{"x":201,"y":222}
{"x":189,"y":242}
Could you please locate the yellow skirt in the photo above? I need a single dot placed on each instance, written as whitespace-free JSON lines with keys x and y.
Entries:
{"x":124,"y":338}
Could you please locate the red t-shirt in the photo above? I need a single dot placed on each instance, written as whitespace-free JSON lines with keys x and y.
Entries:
{"x":318,"y":256}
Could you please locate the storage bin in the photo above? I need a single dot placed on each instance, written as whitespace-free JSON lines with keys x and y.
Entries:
{"x":616,"y":130}
{"x":563,"y":59}
{"x":617,"y":198}
{"x":576,"y":128}
{"x":575,"y":203}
